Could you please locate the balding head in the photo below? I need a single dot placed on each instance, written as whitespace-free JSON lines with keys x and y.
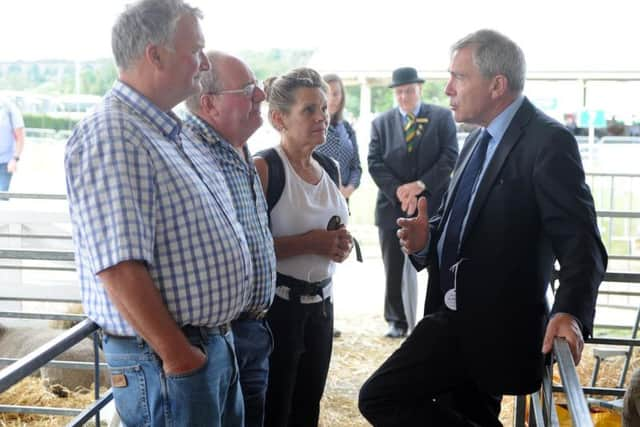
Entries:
{"x":221,"y":103}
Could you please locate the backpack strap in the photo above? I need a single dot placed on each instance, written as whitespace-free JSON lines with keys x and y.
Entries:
{"x":275,"y":184}
{"x":329,"y":165}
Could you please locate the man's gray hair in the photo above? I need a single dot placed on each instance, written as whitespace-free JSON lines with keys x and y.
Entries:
{"x":145,"y":22}
{"x":494,"y":53}
{"x":209,"y":81}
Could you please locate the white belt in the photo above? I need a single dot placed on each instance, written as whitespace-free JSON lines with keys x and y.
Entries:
{"x":283,"y":292}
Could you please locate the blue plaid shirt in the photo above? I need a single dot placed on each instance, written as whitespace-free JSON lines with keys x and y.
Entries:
{"x":251,"y":207}
{"x":140,"y":189}
{"x":344,"y":149}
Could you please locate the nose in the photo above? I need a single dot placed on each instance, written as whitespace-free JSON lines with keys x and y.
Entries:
{"x":448,"y":89}
{"x":204,"y":62}
{"x":258,"y":95}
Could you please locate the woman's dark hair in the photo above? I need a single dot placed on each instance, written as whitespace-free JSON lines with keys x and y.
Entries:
{"x":281,"y":91}
{"x":337,"y":116}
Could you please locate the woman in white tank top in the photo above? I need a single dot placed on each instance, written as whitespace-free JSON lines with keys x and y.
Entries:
{"x":301,"y":316}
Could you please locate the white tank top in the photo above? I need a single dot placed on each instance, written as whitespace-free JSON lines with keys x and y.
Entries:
{"x":304,"y":207}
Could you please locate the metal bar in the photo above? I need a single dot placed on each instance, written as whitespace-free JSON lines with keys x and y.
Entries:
{"x":519,"y":414}
{"x":38,"y":254}
{"x":4,"y":361}
{"x":86,"y":415}
{"x":617,"y":214}
{"x":626,"y":175}
{"x":34,"y":196}
{"x":41,"y":410}
{"x":624,"y":257}
{"x":599,"y":391}
{"x":621,"y":293}
{"x":614,"y":341}
{"x":43,"y":316}
{"x":27,"y":267}
{"x":548,"y":406}
{"x":37,"y":236}
{"x":96,"y":372}
{"x":43,"y":299}
{"x":34,"y":360}
{"x":536,"y":406}
{"x":618,"y":276}
{"x":576,"y":401}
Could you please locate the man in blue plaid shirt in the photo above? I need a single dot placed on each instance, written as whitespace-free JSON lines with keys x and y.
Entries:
{"x":163,"y":261}
{"x":224,"y":115}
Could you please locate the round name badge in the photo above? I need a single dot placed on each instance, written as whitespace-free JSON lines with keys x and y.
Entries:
{"x":450,"y":299}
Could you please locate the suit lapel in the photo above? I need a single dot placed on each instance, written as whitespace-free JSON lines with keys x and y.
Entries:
{"x":398,"y":130}
{"x":509,"y":140}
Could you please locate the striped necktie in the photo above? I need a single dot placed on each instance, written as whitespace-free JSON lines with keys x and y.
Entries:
{"x":410,"y":129}
{"x":458,"y":210}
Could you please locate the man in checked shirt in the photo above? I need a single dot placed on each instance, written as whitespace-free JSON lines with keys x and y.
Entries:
{"x":224,"y":115}
{"x":164,"y":264}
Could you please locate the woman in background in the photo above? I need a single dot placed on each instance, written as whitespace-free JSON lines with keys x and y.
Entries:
{"x":341,"y":142}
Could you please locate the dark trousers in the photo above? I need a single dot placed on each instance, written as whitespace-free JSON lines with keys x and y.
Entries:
{"x":298,"y":367}
{"x":424,"y":383}
{"x":393,"y":259}
{"x":253,"y":342}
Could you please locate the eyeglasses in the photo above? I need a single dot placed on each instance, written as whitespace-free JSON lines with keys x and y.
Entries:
{"x":248,"y":90}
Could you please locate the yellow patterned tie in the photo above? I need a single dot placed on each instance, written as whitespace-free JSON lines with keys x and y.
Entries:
{"x":410,"y":131}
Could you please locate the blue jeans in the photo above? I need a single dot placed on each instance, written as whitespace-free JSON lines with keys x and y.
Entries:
{"x":254,"y":344}
{"x":146,"y":396}
{"x":5,"y":180}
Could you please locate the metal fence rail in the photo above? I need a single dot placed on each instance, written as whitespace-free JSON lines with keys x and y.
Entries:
{"x":15,"y":372}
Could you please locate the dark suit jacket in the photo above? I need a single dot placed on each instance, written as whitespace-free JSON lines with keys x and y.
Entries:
{"x":391,"y":165}
{"x":531,"y":207}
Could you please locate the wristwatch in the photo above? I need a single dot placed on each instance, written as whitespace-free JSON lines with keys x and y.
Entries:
{"x":421,"y":185}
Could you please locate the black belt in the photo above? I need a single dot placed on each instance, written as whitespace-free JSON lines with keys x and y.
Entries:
{"x":252,"y":315}
{"x":298,"y":288}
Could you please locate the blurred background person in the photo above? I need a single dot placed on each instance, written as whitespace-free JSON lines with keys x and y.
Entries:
{"x":11,"y":142}
{"x":341,"y":143}
{"x":412,"y":152}
{"x":305,"y":223}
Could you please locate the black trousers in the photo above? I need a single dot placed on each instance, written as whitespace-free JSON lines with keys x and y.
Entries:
{"x":393,"y":259}
{"x":299,"y":363}
{"x":424,"y":383}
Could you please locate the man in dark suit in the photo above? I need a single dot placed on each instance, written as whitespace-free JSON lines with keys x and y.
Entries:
{"x":517,"y":201}
{"x":412,"y":152}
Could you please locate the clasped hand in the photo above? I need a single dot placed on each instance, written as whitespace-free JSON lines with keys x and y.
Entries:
{"x":406,"y":194}
{"x":335,"y":244}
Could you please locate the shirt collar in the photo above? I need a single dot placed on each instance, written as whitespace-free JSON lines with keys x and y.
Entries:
{"x":169,"y":124}
{"x":415,"y":111}
{"x":499,"y":125}
{"x":210,"y":134}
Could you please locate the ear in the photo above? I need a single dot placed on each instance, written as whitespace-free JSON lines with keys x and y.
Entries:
{"x":209,"y":105}
{"x":277,"y":119}
{"x":152,"y":53}
{"x":499,"y":86}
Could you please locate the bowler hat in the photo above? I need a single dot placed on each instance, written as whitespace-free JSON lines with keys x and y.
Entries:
{"x":405,"y":76}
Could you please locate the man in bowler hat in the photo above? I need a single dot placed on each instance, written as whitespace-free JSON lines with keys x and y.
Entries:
{"x":412,"y":152}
